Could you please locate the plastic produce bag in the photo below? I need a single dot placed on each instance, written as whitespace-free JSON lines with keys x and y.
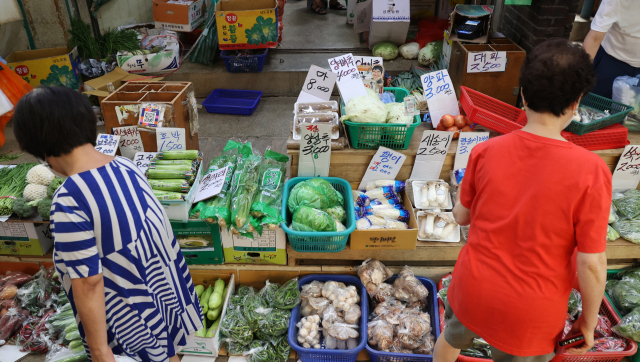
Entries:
{"x":220,"y":207}
{"x":275,"y":322}
{"x":628,"y":206}
{"x":372,"y":273}
{"x":312,"y":290}
{"x":603,"y":328}
{"x":627,"y":294}
{"x":380,"y":334}
{"x":308,"y":219}
{"x":575,"y":303}
{"x":235,"y":327}
{"x":608,"y":344}
{"x":261,"y":351}
{"x":60,"y":353}
{"x":268,"y":291}
{"x":316,"y":193}
{"x":272,"y":174}
{"x":244,"y":187}
{"x":227,"y":159}
{"x":628,"y":229}
{"x":254,"y":309}
{"x":626,"y":90}
{"x":11,"y":322}
{"x":282,"y":348}
{"x":408,"y":288}
{"x":612,"y":234}
{"x":309,"y":332}
{"x":288,"y":295}
{"x":337,"y":213}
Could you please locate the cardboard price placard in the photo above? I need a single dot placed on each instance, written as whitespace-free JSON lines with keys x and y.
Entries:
{"x":107,"y":144}
{"x":348,"y":78}
{"x":485,"y":62}
{"x":142,"y":159}
{"x":315,"y":150}
{"x":431,"y":154}
{"x":440,"y":95}
{"x":626,"y":175}
{"x":130,"y":141}
{"x":318,"y":85}
{"x":211,"y":184}
{"x":466,"y":142}
{"x":171,"y":139}
{"x":384,"y":165}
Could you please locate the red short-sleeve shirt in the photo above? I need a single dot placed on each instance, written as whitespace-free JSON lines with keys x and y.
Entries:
{"x":533,"y":200}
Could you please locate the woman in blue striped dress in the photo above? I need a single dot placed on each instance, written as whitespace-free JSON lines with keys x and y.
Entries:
{"x":114,"y":248}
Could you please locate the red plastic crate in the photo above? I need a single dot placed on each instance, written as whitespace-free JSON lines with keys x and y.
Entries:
{"x":614,"y":136}
{"x":490,"y":112}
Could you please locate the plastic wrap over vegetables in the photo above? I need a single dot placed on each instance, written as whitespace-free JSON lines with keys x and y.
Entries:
{"x":244,"y":187}
{"x":268,"y":291}
{"x":629,"y":325}
{"x":608,"y":344}
{"x":337,"y":213}
{"x":261,"y":351}
{"x":626,"y":294}
{"x":612,"y":234}
{"x":235,"y":327}
{"x":603,"y":328}
{"x":575,"y":303}
{"x":628,"y":229}
{"x":288,"y":295}
{"x":628,"y":206}
{"x":273,"y":170}
{"x":408,"y":288}
{"x":309,"y":219}
{"x":372,"y":273}
{"x":220,"y":208}
{"x":397,"y":114}
{"x":365,"y":109}
{"x":398,"y":186}
{"x":316,"y":192}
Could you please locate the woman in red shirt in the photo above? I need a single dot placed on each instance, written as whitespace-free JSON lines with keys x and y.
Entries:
{"x":531,"y":198}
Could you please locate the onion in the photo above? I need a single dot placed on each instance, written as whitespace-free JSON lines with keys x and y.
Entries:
{"x":459,"y":121}
{"x":468,"y":120}
{"x":466,"y":129}
{"x":440,"y":127}
{"x":447,"y":120}
{"x":455,"y":130}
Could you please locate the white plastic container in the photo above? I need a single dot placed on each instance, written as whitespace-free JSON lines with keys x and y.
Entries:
{"x":316,"y":118}
{"x":315,"y":107}
{"x":419,"y":187}
{"x":455,"y":234}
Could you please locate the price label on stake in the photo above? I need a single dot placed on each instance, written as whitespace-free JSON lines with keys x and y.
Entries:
{"x":318,"y":85}
{"x":130,"y":141}
{"x":169,"y":139}
{"x":384,"y":165}
{"x":466,"y":142}
{"x":211,"y":184}
{"x":441,"y":97}
{"x":484,"y":62}
{"x":107,"y":144}
{"x":348,"y":78}
{"x":626,"y":175}
{"x":431,"y":154}
{"x":315,"y":150}
{"x":142,"y":160}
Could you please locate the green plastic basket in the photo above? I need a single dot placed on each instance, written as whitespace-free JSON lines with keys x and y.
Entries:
{"x":374,"y":135}
{"x":325,"y":241}
{"x":617,"y":110}
{"x":610,"y":275}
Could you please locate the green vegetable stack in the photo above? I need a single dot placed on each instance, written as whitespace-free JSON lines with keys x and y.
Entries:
{"x":624,"y":291}
{"x":268,"y":201}
{"x":316,"y":206}
{"x":624,"y":218}
{"x":172,"y":173}
{"x":211,"y":301}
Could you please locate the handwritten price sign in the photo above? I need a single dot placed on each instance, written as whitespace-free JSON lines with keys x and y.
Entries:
{"x":431,"y":154}
{"x":440,"y":95}
{"x":142,"y":160}
{"x":130,"y":141}
{"x":384,"y":165}
{"x":484,"y":62}
{"x":349,"y":81}
{"x":466,"y":142}
{"x":315,"y":150}
{"x":626,"y":175}
{"x":318,"y":85}
{"x":169,"y":139}
{"x":211,"y":184}
{"x":107,"y":144}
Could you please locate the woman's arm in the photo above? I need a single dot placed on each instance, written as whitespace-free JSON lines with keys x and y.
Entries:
{"x":592,"y":42}
{"x":461,"y":214}
{"x":90,"y":305}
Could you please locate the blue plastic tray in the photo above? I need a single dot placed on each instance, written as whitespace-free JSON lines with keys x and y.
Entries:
{"x":231,"y":101}
{"x":432,"y":309}
{"x":330,"y":355}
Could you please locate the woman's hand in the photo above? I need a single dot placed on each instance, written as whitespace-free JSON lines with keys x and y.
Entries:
{"x":103,"y":355}
{"x":587,"y":331}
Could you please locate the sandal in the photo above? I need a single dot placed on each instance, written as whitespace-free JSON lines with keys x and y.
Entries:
{"x":337,"y":6}
{"x":319,"y":10}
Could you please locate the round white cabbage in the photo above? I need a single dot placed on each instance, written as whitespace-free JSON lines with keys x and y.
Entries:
{"x":365,"y":109}
{"x":409,"y":50}
{"x":395,"y":113}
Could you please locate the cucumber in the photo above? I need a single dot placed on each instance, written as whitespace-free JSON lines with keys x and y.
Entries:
{"x":199,"y":290}
{"x":216,"y":298}
{"x":211,"y":332}
{"x":78,"y":349}
{"x":80,"y":357}
{"x":63,"y":315}
{"x":73,"y":335}
{"x":205,"y":296}
{"x":76,"y":343}
{"x":63,"y":323}
{"x":71,"y":328}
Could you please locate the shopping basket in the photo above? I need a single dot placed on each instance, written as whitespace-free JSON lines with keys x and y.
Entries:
{"x":374,"y":135}
{"x":244,"y":63}
{"x":330,"y":355}
{"x":618,"y":111}
{"x":432,"y":309}
{"x":325,"y":241}
{"x":610,"y":137}
{"x":490,"y":112}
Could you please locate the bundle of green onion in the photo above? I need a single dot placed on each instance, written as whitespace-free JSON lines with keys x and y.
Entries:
{"x":12,"y":183}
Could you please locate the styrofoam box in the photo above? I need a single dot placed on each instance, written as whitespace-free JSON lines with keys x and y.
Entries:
{"x":417,"y":186}
{"x":178,"y":210}
{"x":453,"y":238}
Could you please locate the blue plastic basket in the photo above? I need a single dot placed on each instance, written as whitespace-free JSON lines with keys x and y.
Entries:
{"x":432,"y":309}
{"x":330,"y":355}
{"x":325,"y":241}
{"x":232,"y":101}
{"x":244,"y":63}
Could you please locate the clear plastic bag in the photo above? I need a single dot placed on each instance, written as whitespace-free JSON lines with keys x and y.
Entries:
{"x":244,"y":187}
{"x":390,"y":311}
{"x":414,"y":326}
{"x":316,"y":193}
{"x":408,"y":288}
{"x":603,"y":328}
{"x":254,"y":310}
{"x":575,"y":303}
{"x":282,"y":348}
{"x":626,"y":89}
{"x":628,"y":206}
{"x":312,"y":290}
{"x":59,"y":353}
{"x":343,"y":331}
{"x":330,"y":316}
{"x":352,"y":315}
{"x":309,"y":332}
{"x":315,"y":107}
{"x":380,"y":334}
{"x":398,"y":186}
{"x":608,"y":344}
{"x":372,"y":273}
{"x":426,"y":347}
{"x":11,"y":322}
{"x":628,"y":229}
{"x":302,"y":120}
{"x":314,"y":306}
{"x":385,"y":292}
{"x":268,"y":200}
{"x":275,"y":321}
{"x":308,"y":219}
{"x":627,"y":294}
{"x":236,"y":328}
{"x":261,"y":351}
{"x":268,"y":291}
{"x":629,"y":325}
{"x":568,"y":324}
{"x":288,"y":295}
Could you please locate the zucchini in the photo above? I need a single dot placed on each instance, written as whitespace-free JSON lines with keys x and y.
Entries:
{"x":76,"y":343}
{"x":73,"y":335}
{"x":216,"y":297}
{"x":71,"y":328}
{"x":61,"y":324}
{"x":206,"y":295}
{"x":199,"y":290}
{"x":78,"y":349}
{"x":211,"y":332}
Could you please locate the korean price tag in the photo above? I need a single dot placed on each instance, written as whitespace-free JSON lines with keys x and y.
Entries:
{"x":107,"y":144}
{"x":441,"y":97}
{"x":431,"y":154}
{"x":130,"y":141}
{"x":466,"y":142}
{"x":348,"y":77}
{"x":484,"y":62}
{"x":151,"y":114}
{"x":142,"y":160}
{"x":626,"y":175}
{"x":171,"y":139}
{"x":211,"y":184}
{"x":315,"y":150}
{"x":384,"y":165}
{"x":318,"y":85}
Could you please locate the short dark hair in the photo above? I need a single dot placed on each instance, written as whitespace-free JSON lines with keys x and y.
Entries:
{"x":52,"y":121}
{"x":555,"y":74}
{"x":379,"y":67}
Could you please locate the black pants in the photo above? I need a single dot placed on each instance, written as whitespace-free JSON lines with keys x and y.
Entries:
{"x":608,"y":69}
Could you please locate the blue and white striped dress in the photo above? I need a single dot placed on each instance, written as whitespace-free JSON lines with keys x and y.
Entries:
{"x":108,"y":221}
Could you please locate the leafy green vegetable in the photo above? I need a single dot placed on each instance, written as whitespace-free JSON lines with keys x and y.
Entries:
{"x":627,"y":294}
{"x":337,"y":213}
{"x":245,"y":290}
{"x":306,"y":218}
{"x":244,"y":187}
{"x":12,"y":183}
{"x":386,"y":50}
{"x":431,"y":53}
{"x":268,"y":291}
{"x":282,"y":348}
{"x":255,"y":309}
{"x":629,"y":325}
{"x":235,"y":326}
{"x":288,"y":295}
{"x":575,"y":303}
{"x":261,"y":351}
{"x":316,"y":192}
{"x":55,"y":185}
{"x":628,"y":229}
{"x":204,"y":209}
{"x":628,"y":206}
{"x":275,"y":323}
{"x":272,"y":174}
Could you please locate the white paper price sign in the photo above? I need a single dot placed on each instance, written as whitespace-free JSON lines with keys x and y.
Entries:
{"x":142,"y":160}
{"x":318,"y":85}
{"x":315,"y":150}
{"x":484,"y":62}
{"x":440,"y":95}
{"x":107,"y":144}
{"x":130,"y":141}
{"x":171,"y":139}
{"x":384,"y":165}
{"x":211,"y":184}
{"x":626,"y":175}
{"x":466,"y":142}
{"x":431,"y":154}
{"x":348,"y":78}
